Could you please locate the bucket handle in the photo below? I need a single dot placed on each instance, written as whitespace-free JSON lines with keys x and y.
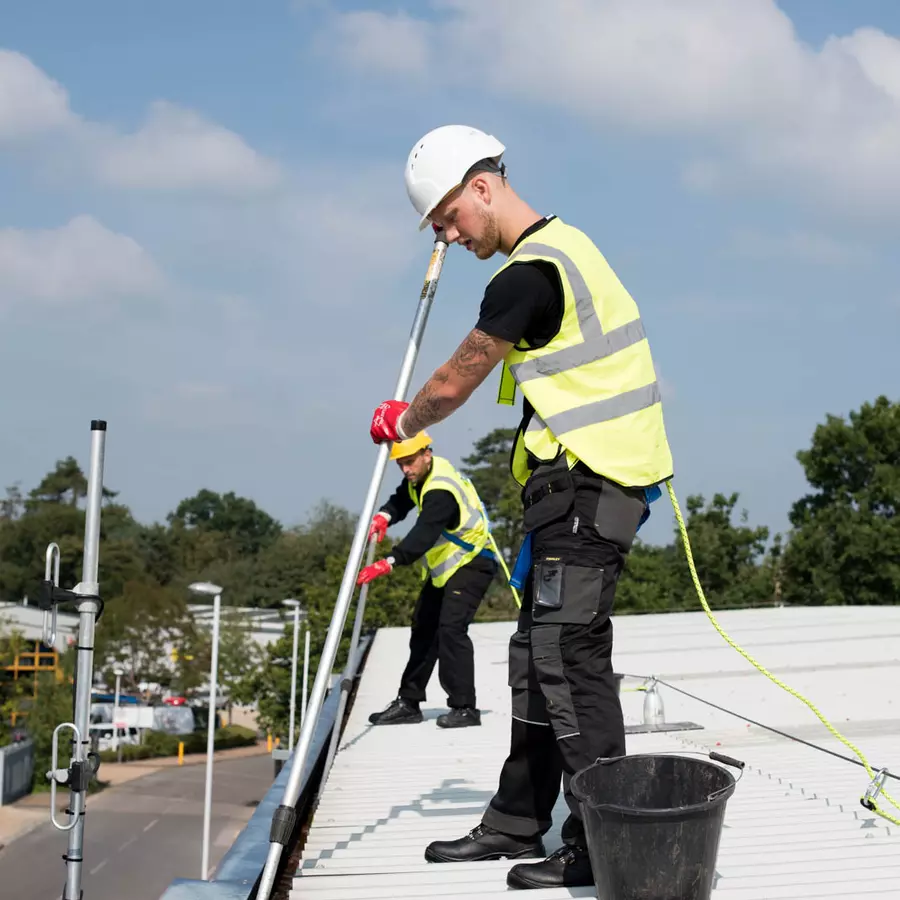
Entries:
{"x":728,"y":760}
{"x":716,"y":757}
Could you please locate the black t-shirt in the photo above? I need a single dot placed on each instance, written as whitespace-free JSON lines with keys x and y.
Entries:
{"x":525,"y":301}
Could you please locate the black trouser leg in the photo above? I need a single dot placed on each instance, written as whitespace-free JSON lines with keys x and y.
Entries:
{"x":463,"y":594}
{"x":583,"y":655}
{"x":566,"y":710}
{"x":529,"y":780}
{"x":423,"y":644}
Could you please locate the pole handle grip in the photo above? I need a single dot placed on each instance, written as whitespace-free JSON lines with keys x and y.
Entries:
{"x":53,"y":775}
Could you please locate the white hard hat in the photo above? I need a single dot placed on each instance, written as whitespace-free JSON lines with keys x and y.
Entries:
{"x":439,"y":161}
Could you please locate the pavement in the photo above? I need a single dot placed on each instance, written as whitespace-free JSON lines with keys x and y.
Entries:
{"x":142,"y":832}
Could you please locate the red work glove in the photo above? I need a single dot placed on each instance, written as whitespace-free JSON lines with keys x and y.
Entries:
{"x":386,"y":422}
{"x":378,"y":528}
{"x":376,"y":570}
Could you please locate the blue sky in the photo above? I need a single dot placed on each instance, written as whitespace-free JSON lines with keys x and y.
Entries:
{"x":205,"y":238}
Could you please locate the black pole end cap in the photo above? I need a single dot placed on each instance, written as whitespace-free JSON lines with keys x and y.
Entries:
{"x":98,"y":425}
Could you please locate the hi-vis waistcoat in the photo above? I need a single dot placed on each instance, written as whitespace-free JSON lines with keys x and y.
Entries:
{"x":593,"y":387}
{"x":453,"y":549}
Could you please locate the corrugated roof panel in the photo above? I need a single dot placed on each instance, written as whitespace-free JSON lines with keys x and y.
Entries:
{"x":794,"y":826}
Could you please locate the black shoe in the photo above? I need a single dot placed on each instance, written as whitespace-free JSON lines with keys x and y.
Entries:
{"x":483,"y":843}
{"x":567,"y":867}
{"x":461,"y":717}
{"x":398,"y":712}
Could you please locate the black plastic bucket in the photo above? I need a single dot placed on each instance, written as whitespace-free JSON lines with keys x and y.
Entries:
{"x":653,"y":824}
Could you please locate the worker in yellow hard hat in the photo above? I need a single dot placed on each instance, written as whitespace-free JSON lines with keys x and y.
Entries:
{"x":452,"y":537}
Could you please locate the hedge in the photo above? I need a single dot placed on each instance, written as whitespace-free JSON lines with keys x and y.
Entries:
{"x":161,"y":743}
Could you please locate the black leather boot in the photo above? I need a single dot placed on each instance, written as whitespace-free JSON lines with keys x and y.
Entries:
{"x":566,"y":867}
{"x":398,"y":712}
{"x":483,"y":843}
{"x":462,"y":717}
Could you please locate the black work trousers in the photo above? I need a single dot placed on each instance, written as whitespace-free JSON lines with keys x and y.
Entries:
{"x":440,"y":634}
{"x":565,"y":707}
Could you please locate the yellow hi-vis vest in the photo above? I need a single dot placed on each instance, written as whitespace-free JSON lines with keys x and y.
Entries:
{"x":593,"y":387}
{"x":455,"y":549}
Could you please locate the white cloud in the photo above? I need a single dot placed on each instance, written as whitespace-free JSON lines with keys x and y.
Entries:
{"x":389,"y":43}
{"x":30,"y":102}
{"x":178,"y":149}
{"x":80,"y":261}
{"x":799,"y":245}
{"x":731,"y":72}
{"x":175,"y":148}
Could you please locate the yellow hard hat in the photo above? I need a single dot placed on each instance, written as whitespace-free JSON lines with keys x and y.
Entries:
{"x":413,"y":445}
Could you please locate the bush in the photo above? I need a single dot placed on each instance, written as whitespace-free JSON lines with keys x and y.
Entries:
{"x":160,"y":743}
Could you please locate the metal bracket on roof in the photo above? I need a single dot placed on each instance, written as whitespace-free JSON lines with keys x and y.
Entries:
{"x":664,"y":727}
{"x":876,"y":786}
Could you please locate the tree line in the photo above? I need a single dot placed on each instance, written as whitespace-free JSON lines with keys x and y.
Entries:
{"x":843,"y":547}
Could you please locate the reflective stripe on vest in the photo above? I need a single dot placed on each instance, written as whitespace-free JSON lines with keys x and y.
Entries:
{"x":593,"y":387}
{"x":447,"y":556}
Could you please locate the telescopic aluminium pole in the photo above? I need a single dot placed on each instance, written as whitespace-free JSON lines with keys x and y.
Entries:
{"x":349,"y":671}
{"x":83,"y":765}
{"x":285,"y":817}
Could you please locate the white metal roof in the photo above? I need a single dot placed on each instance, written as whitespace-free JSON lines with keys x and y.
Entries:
{"x":794,"y":826}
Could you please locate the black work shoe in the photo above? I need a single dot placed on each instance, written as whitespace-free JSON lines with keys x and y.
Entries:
{"x":398,"y":712}
{"x":461,"y":717}
{"x":483,"y":843}
{"x":567,"y":867}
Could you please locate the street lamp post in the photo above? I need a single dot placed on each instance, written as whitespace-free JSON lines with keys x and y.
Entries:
{"x":305,"y":673}
{"x":214,"y":591}
{"x":295,"y":604}
{"x":118,"y":672}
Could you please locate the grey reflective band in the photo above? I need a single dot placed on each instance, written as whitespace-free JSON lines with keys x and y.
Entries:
{"x":584,"y":302}
{"x":449,"y":562}
{"x":594,"y":347}
{"x":473,"y":515}
{"x":595,"y":344}
{"x":600,"y":410}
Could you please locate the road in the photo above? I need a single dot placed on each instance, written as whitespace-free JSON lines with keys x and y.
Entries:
{"x":142,"y":834}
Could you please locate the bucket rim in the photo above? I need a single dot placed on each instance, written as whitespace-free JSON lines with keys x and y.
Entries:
{"x":715,"y":798}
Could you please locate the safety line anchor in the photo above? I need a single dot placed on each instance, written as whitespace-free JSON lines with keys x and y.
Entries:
{"x":875,"y":787}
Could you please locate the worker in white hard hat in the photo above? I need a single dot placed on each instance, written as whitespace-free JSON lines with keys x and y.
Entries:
{"x":590,"y":454}
{"x":452,"y":537}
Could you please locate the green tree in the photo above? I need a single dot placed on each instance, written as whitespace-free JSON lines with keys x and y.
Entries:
{"x":55,"y":704}
{"x":239,"y":654}
{"x":727,"y":557}
{"x":389,"y":603}
{"x":647,"y":581}
{"x":845,"y":544}
{"x":152,"y":635}
{"x":241,"y":519}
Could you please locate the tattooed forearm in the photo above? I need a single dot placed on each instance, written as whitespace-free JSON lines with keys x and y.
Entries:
{"x":428,"y":408}
{"x":473,"y":354}
{"x":453,"y":383}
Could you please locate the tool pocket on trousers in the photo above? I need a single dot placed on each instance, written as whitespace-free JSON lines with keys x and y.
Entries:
{"x":521,"y":668}
{"x":527,"y":700}
{"x":548,"y":496}
{"x":566,"y":594}
{"x":551,"y":675}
